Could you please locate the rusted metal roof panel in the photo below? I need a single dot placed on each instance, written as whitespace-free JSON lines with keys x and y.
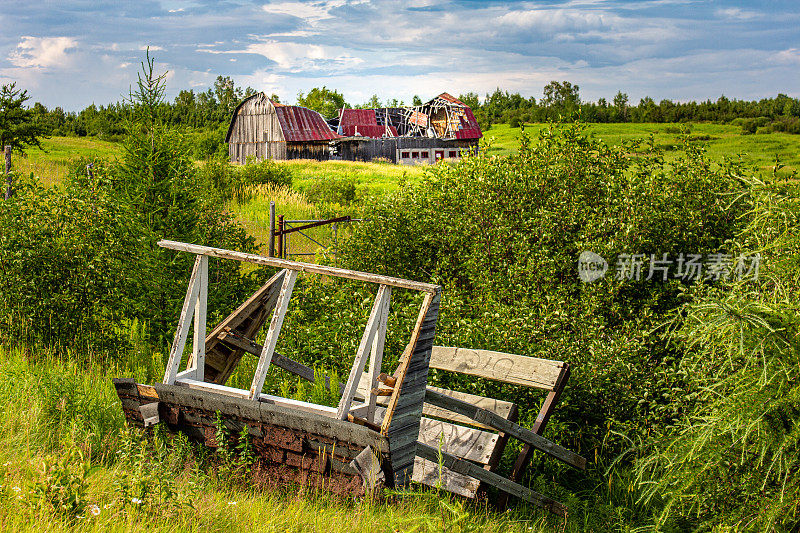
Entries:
{"x":368,"y":130}
{"x":300,"y":124}
{"x":363,"y":122}
{"x":450,"y":98}
{"x":469,"y":126}
{"x":359,"y":117}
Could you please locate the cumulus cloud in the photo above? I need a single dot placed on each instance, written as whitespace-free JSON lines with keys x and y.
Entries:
{"x":42,"y":52}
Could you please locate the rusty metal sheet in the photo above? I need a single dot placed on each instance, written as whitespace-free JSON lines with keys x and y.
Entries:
{"x":301,"y":124}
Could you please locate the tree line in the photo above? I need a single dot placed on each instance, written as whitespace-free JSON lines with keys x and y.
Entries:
{"x":207,"y":113}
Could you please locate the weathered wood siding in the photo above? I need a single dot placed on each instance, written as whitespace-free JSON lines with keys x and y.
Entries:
{"x":256,"y":132}
{"x":386,"y":148}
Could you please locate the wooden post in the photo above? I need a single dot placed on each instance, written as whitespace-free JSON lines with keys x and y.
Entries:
{"x":200,"y":310}
{"x":272,"y":229}
{"x":272,"y":334}
{"x":9,"y":187}
{"x":280,"y":236}
{"x":189,"y":303}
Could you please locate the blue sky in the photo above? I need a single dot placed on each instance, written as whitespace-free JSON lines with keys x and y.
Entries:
{"x":74,"y":52}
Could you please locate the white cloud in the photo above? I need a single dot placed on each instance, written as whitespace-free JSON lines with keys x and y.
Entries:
{"x":736,"y":13}
{"x":42,"y":52}
{"x":299,"y":57}
{"x":790,"y":55}
{"x":311,"y":12}
{"x":152,"y":48}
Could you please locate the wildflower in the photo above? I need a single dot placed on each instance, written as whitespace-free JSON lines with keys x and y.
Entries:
{"x":231,"y":503}
{"x":16,"y":489}
{"x":137,"y":501}
{"x":95,"y":510}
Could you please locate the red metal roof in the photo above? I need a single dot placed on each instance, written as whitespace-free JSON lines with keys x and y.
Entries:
{"x":363,"y":122}
{"x":452,"y":99}
{"x":469,"y":126}
{"x":302,"y":124}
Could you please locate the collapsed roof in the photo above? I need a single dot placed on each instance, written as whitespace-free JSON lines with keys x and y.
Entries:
{"x":444,"y":117}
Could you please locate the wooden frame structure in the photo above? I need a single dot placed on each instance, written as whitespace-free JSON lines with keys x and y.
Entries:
{"x":463,"y":436}
{"x":386,"y":428}
{"x":213,"y":358}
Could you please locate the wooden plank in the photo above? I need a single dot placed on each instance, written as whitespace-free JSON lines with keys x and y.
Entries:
{"x":272,"y":334}
{"x":376,"y":357}
{"x":462,"y":466}
{"x":178,"y":344}
{"x":490,"y":419}
{"x":402,"y":419}
{"x":429,"y":473}
{"x":299,"y":267}
{"x":468,"y":443}
{"x":265,"y":398}
{"x":499,"y":407}
{"x":505,"y":367}
{"x":197,"y":359}
{"x":272,"y":414}
{"x":402,"y":369}
{"x":246,"y":320}
{"x":281,"y":361}
{"x":377,"y":316}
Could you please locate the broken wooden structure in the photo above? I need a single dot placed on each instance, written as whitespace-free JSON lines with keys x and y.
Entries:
{"x":386,"y":428}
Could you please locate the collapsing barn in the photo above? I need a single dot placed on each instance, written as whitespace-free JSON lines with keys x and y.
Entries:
{"x":268,"y":130}
{"x":442,"y":129}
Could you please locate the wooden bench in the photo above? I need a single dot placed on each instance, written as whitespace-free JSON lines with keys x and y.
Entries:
{"x":471,"y":432}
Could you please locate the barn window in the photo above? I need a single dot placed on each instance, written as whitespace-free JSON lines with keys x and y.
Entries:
{"x":415,"y":155}
{"x":453,"y":153}
{"x":404,"y":155}
{"x":424,"y":155}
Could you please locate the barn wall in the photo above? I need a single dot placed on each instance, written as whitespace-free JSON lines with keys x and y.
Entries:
{"x":318,"y":150}
{"x":256,"y":132}
{"x":390,"y":148}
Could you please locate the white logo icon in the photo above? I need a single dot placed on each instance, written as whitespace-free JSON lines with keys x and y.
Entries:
{"x":591,"y":267}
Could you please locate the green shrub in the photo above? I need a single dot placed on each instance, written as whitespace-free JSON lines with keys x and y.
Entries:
{"x":503,"y":236}
{"x":734,"y":460}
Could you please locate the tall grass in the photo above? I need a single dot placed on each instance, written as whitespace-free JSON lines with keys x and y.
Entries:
{"x":293,"y":204}
{"x":62,"y":421}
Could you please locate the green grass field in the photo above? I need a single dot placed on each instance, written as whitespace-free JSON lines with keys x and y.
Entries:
{"x":51,"y":164}
{"x":756,"y":150}
{"x":720,"y":140}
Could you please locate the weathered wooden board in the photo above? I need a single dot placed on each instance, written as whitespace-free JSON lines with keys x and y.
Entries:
{"x":429,"y":473}
{"x":500,"y":407}
{"x":506,"y":367}
{"x":471,"y":444}
{"x":246,"y":320}
{"x":501,"y":424}
{"x":403,"y":413}
{"x":461,"y":466}
{"x":301,"y":267}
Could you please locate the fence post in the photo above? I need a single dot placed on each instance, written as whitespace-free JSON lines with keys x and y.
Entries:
{"x":280,"y":236}
{"x":272,"y":229}
{"x":10,"y":185}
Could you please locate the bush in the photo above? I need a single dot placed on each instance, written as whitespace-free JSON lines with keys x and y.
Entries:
{"x":503,"y":236}
{"x":78,"y":264}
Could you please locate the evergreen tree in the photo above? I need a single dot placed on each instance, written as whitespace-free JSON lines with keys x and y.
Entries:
{"x":19,"y":127}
